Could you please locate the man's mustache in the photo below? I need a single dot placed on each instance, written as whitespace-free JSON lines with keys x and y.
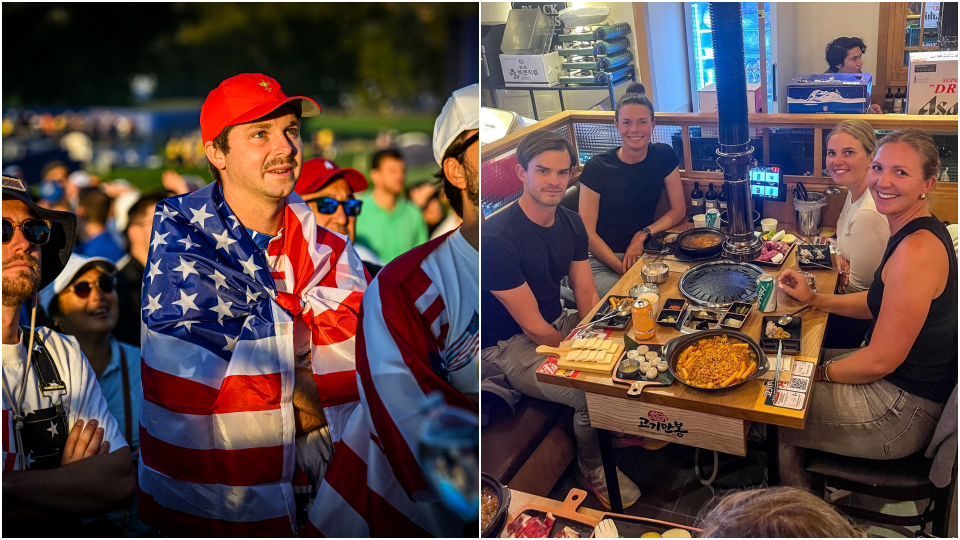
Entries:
{"x":22,"y":258}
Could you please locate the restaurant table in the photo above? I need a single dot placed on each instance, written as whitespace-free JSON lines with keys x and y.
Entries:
{"x":677,"y":413}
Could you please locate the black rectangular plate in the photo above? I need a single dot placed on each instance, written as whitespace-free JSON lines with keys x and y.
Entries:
{"x":827,"y":260}
{"x":791,"y":345}
{"x":616,"y":323}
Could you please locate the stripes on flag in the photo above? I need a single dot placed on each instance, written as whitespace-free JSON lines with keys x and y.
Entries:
{"x":217,"y":420}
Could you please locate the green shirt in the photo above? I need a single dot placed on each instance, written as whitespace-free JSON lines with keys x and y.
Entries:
{"x":389,"y":234}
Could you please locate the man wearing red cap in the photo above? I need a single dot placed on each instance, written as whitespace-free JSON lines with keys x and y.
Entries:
{"x":249,"y":323}
{"x":328,"y":191}
{"x":419,"y":338}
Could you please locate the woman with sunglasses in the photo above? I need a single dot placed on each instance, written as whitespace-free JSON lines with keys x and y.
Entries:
{"x":82,"y":302}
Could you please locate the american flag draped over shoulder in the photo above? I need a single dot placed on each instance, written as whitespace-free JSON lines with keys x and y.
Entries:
{"x":374,"y":485}
{"x":217,"y":421}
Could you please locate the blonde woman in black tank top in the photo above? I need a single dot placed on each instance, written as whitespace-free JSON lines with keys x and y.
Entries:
{"x":882,"y":401}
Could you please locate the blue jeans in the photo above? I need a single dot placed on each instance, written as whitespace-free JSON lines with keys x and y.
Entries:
{"x":604,"y":276}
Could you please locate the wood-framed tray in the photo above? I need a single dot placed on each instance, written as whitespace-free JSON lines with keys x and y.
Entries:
{"x":554,"y":519}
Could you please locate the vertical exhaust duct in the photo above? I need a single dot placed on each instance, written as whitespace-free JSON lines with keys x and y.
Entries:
{"x":735,"y":151}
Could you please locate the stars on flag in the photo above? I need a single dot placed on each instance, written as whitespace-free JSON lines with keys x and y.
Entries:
{"x":158,"y":239}
{"x":188,"y":242}
{"x":235,"y":221}
{"x":224,"y":241}
{"x":219,"y":279}
{"x":231,"y":342}
{"x":222,"y":309}
{"x":165,"y":212}
{"x":153,"y":304}
{"x":251,"y":296}
{"x":52,"y":429}
{"x":186,"y":268}
{"x":186,"y":302}
{"x":154,"y":271}
{"x":200,"y":216}
{"x":185,"y":323}
{"x":249,"y":267}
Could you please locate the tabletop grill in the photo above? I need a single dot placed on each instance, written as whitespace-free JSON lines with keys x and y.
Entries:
{"x":719,"y":284}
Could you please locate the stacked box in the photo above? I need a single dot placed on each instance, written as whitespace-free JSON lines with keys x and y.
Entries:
{"x":830,"y":93}
{"x":530,"y":69}
{"x":708,"y":98}
{"x":932,"y":83}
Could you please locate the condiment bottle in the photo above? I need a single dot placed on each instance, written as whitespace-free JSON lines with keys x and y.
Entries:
{"x":643,"y":324}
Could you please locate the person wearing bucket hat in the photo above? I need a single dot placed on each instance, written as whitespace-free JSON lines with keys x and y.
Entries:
{"x":249,"y":314}
{"x":420,"y":335}
{"x":59,"y":418}
{"x":328,"y":191}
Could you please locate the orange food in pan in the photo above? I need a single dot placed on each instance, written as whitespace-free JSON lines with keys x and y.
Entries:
{"x":716,"y":362}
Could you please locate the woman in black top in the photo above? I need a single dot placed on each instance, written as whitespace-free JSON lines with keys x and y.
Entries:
{"x":885,"y":398}
{"x":620,"y":190}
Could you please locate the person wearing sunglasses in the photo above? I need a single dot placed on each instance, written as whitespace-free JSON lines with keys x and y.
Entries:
{"x":65,"y":457}
{"x":328,"y":191}
{"x":82,"y":302}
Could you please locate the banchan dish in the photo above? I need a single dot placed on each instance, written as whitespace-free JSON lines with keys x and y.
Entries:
{"x":700,"y":242}
{"x":676,"y":346}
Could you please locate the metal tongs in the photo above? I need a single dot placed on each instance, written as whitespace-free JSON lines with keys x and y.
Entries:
{"x":800,"y":191}
{"x":623,"y":309}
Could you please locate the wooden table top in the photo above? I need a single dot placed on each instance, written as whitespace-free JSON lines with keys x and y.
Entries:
{"x":738,"y":403}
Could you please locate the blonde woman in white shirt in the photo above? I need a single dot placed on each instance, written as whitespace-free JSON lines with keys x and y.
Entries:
{"x":862,"y":232}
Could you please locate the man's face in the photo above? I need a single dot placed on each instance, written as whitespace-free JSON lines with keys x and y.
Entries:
{"x":389,"y":175}
{"x":265,"y":156}
{"x":853,"y":63}
{"x":138,"y":232}
{"x":471,"y":167}
{"x":21,"y":259}
{"x":546,"y":178}
{"x":338,"y":221}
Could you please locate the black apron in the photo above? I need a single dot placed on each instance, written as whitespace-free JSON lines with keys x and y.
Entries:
{"x":44,"y":432}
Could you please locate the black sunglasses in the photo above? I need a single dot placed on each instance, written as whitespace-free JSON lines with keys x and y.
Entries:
{"x":36,"y":231}
{"x":328,"y":205}
{"x":84,"y":288}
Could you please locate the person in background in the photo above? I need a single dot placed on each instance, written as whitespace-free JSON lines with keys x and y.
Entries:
{"x":92,"y":212}
{"x":52,"y":188}
{"x":328,"y":191}
{"x":419,"y":335}
{"x":774,"y":512}
{"x":133,"y":265}
{"x":845,"y":55}
{"x":862,"y":232}
{"x":621,"y":188}
{"x":425,"y":195}
{"x":390,"y":224}
{"x":883,"y":401}
{"x":535,"y":243}
{"x":59,"y":466}
{"x":82,"y":302}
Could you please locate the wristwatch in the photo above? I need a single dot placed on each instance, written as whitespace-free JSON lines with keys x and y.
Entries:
{"x":646,"y":231}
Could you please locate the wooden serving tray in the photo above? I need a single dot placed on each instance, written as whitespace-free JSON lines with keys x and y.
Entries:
{"x":566,"y":348}
{"x":633,"y":526}
{"x":565,"y":514}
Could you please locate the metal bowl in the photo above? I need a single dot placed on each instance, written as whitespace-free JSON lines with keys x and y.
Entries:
{"x":503,"y":496}
{"x":677,"y":345}
{"x":704,"y":251}
{"x":655,"y":272}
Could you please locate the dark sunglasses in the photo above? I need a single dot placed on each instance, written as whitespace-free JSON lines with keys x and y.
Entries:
{"x":328,"y":205}
{"x":36,"y":231}
{"x":84,"y":288}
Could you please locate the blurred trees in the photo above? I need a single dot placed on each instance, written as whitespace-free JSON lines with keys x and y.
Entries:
{"x":353,"y":55}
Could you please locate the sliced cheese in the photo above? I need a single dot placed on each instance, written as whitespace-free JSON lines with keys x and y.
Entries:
{"x":579,"y":343}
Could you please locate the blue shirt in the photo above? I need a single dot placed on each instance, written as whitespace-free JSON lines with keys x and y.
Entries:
{"x":102,"y":246}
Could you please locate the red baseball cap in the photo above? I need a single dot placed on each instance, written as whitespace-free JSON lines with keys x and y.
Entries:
{"x":244,"y":98}
{"x":318,"y":171}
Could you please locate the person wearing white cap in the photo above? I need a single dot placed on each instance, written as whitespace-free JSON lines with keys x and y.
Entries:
{"x":82,"y":302}
{"x":65,"y":456}
{"x":419,"y":335}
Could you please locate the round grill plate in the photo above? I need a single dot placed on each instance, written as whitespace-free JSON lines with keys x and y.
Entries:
{"x":720,"y":283}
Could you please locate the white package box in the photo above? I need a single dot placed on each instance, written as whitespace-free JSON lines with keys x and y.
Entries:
{"x":530,"y":69}
{"x":932,"y":83}
{"x":708,"y":98}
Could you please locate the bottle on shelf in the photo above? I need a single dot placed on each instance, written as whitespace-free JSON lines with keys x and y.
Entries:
{"x":898,"y":102}
{"x":888,"y":101}
{"x":696,"y":200}
{"x":722,"y":200}
{"x":710,"y":199}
